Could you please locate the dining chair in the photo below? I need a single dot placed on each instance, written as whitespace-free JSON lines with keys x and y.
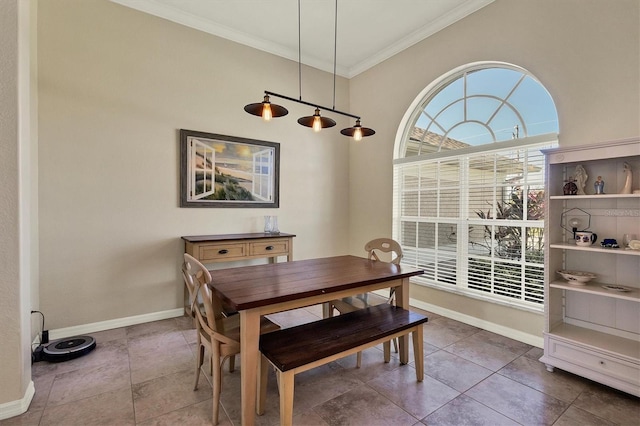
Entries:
{"x":217,"y":333}
{"x":374,"y":249}
{"x":202,"y":276}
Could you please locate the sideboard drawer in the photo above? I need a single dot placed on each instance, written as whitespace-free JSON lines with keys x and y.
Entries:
{"x":595,"y":361}
{"x":222,"y":251}
{"x":272,"y":247}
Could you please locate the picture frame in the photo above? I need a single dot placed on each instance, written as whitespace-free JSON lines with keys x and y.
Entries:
{"x":228,"y":171}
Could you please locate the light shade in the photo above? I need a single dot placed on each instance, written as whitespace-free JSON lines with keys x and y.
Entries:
{"x":358,"y":132}
{"x":266,"y":109}
{"x":316,"y":121}
{"x":572,"y":220}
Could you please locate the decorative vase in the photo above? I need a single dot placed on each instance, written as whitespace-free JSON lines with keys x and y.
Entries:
{"x":274,"y":225}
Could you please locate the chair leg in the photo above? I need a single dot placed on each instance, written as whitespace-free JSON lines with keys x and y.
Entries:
{"x":392,"y":301}
{"x":217,"y":385}
{"x":359,"y":360}
{"x":327,"y":310}
{"x":232,"y":363}
{"x":199,"y":362}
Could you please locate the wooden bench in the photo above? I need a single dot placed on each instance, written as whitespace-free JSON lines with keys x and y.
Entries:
{"x":301,"y":348}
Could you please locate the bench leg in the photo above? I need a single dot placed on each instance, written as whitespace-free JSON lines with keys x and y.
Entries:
{"x":418,"y":349}
{"x":286,"y":397}
{"x":404,"y":349}
{"x":262,"y":385}
{"x":387,"y":351}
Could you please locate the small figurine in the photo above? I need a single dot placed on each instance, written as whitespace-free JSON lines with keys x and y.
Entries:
{"x":627,"y":185}
{"x":599,"y":185}
{"x":581,"y":179}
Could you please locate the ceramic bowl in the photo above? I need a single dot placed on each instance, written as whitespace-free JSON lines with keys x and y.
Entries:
{"x":577,"y":277}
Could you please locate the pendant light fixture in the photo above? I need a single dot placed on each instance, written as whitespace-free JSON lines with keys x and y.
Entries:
{"x":267,"y":110}
{"x":316,"y":121}
{"x":357,"y":132}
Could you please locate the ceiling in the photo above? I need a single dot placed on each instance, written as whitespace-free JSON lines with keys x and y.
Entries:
{"x":368,"y":31}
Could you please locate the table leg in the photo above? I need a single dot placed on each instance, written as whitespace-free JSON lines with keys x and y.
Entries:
{"x":250,"y":356}
{"x":402,"y":300}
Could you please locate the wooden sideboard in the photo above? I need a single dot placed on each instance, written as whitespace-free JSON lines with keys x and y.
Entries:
{"x":234,"y":247}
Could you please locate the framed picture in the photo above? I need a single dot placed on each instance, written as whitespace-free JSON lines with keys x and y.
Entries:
{"x":228,"y":171}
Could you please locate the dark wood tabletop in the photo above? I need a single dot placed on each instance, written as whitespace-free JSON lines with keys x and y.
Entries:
{"x":260,"y":285}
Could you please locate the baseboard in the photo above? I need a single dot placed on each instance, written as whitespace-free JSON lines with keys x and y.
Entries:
{"x":20,"y":406}
{"x":530,"y":339}
{"x":114,"y":323}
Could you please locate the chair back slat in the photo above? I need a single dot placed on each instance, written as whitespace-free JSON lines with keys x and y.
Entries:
{"x":198,"y":278}
{"x":384,"y":245}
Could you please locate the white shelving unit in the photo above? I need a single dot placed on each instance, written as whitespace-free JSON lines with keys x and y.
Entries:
{"x":589,"y":330}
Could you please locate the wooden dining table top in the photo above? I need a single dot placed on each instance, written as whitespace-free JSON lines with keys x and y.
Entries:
{"x":250,"y":287}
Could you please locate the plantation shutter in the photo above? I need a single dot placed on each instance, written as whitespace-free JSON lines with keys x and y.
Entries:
{"x":474,"y":218}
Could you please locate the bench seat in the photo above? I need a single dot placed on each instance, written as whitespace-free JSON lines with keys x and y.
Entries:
{"x":297,"y":349}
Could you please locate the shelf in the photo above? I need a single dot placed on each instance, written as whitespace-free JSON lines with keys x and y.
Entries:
{"x":593,"y":331}
{"x":603,"y":342}
{"x":596,"y":288}
{"x":596,"y":249}
{"x":593,"y":196}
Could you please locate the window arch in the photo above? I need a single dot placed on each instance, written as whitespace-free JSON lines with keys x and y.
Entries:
{"x":469,"y":182}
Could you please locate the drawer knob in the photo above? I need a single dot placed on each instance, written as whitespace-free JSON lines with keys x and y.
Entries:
{"x":269,"y":248}
{"x":223,"y":251}
{"x":601,"y":362}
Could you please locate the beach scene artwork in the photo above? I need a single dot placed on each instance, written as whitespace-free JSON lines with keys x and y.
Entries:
{"x":231,"y":171}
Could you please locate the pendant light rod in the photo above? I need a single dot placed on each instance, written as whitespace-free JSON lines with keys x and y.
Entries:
{"x":267,"y":110}
{"x":335,"y":50}
{"x":300,"y":101}
{"x":299,"y":57}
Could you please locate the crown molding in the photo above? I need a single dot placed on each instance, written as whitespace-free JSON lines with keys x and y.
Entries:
{"x":442,"y":22}
{"x":176,"y":15}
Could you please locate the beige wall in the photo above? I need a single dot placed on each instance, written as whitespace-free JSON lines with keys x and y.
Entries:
{"x":586,"y":53}
{"x":116,"y":85}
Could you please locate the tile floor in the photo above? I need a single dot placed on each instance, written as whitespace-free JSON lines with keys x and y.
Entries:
{"x":143,"y":375}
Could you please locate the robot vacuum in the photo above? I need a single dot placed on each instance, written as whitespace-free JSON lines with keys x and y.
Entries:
{"x":69,"y":348}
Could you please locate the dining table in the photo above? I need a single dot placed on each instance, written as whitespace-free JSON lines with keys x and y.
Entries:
{"x":258,"y":290}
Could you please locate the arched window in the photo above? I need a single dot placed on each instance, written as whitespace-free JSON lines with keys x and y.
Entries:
{"x":469,"y":183}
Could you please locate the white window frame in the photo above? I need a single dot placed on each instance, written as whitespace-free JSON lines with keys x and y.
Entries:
{"x":415,"y":256}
